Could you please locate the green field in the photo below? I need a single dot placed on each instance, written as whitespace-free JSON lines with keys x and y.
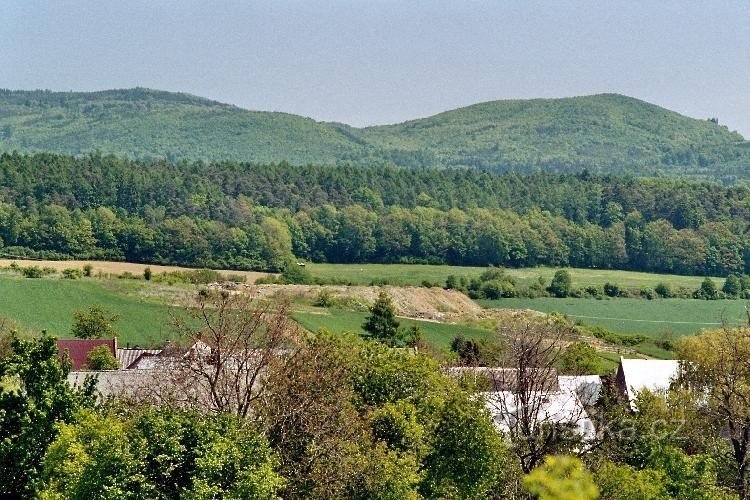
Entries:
{"x":49,"y":304}
{"x":649,"y":317}
{"x":340,"y":320}
{"x":415,"y":274}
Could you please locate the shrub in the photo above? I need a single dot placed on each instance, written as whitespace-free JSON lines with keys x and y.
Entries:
{"x":32,"y":272}
{"x":72,"y":273}
{"x":324,"y":299}
{"x":496,"y":289}
{"x":663,"y":290}
{"x":707,"y":291}
{"x":88,"y":269}
{"x":147,"y":274}
{"x":647,"y":293}
{"x":495,"y":273}
{"x":561,"y":284}
{"x":732,"y":286}
{"x":451,"y":282}
{"x":296,"y":275}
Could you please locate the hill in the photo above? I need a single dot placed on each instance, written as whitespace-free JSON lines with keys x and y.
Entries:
{"x":607,"y":134}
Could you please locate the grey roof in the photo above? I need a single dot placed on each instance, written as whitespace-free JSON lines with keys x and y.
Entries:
{"x":127,"y":357}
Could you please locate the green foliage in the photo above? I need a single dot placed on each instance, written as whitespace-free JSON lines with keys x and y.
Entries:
{"x":382,"y":324}
{"x":72,"y":273}
{"x":39,"y":399}
{"x":147,"y":274}
{"x":559,"y":135}
{"x":32,"y":272}
{"x":324,"y":299}
{"x":296,"y":274}
{"x":561,"y":478}
{"x":561,"y":284}
{"x":94,"y":323}
{"x":622,"y":482}
{"x":707,"y":291}
{"x":159,"y":454}
{"x":579,"y":358}
{"x":663,"y":290}
{"x":101,"y":358}
{"x":732,"y":286}
{"x":456,"y":470}
{"x":248,"y":216}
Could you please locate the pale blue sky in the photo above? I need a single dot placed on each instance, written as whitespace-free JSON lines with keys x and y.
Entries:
{"x":387,"y":61}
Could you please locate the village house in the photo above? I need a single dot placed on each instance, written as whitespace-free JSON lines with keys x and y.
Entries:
{"x":635,"y":375}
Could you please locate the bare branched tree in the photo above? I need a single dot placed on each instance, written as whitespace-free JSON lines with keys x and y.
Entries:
{"x":539,"y":418}
{"x":226,"y":345}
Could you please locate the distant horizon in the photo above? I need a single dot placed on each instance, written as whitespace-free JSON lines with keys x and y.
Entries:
{"x":74,"y":91}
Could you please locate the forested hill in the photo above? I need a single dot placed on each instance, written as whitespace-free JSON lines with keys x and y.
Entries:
{"x":606,"y":134}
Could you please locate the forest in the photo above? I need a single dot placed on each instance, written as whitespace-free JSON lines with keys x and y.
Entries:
{"x":606,"y":133}
{"x":251,"y":216}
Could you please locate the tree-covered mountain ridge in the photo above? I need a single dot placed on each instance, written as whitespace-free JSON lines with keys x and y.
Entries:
{"x":604,"y":133}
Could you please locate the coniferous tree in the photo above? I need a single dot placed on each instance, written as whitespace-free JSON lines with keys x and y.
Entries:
{"x":382,"y":324}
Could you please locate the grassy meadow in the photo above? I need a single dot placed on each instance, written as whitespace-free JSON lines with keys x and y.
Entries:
{"x":649,"y":317}
{"x":415,"y":274}
{"x":49,"y":304}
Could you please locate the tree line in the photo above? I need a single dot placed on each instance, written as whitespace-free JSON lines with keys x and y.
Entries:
{"x":250,"y":216}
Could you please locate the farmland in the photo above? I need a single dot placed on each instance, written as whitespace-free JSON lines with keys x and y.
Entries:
{"x":48,"y":304}
{"x":415,"y":274}
{"x":649,"y":317}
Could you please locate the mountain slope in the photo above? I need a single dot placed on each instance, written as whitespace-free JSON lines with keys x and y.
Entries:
{"x":605,"y":133}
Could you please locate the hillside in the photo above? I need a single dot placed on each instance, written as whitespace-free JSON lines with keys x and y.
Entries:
{"x":608,"y":133}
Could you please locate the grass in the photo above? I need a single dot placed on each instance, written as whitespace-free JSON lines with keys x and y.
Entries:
{"x":649,"y":317}
{"x":340,"y":320}
{"x":49,"y":304}
{"x":415,"y":274}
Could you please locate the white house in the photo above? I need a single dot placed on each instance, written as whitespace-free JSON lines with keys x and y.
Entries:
{"x":635,"y":375}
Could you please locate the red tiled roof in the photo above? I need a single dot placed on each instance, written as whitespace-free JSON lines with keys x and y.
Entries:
{"x":78,"y":349}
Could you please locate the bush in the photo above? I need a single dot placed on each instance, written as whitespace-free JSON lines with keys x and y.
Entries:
{"x":72,"y":273}
{"x":32,"y":272}
{"x":88,"y":269}
{"x":561,"y":284}
{"x":496,"y":289}
{"x":147,"y":274}
{"x":612,"y":290}
{"x":664,"y":291}
{"x":647,"y":293}
{"x":324,"y":299}
{"x":495,"y":273}
{"x":451,"y":282}
{"x":296,"y":275}
{"x":732,"y":286}
{"x":707,"y":291}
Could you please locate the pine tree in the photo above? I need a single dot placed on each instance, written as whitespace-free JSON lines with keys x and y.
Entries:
{"x":382,"y":324}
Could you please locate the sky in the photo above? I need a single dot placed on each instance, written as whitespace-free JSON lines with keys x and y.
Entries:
{"x":376,"y":62}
